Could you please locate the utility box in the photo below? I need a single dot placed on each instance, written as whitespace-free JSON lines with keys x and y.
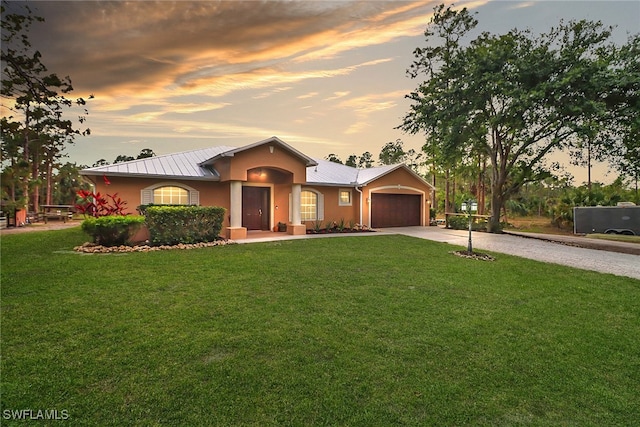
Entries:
{"x":623,"y":219}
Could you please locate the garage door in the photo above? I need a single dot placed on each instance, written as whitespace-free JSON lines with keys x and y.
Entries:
{"x":395,"y":210}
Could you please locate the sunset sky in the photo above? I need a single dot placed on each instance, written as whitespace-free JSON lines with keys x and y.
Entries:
{"x":324,"y":76}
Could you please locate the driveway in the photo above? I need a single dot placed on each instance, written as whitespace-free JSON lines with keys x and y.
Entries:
{"x":545,"y":248}
{"x":557,"y":252}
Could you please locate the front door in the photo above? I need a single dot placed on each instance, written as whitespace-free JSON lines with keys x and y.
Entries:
{"x":256,"y":205}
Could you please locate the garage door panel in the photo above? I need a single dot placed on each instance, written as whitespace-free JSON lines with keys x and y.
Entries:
{"x":395,"y":210}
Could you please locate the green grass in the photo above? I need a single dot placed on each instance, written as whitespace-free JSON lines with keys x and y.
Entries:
{"x":615,"y":237}
{"x":359,"y":331}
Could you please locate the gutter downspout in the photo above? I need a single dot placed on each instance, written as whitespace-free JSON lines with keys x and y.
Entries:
{"x":360,"y":191}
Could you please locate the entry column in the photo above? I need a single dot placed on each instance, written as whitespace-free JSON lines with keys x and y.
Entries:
{"x":236,"y":230}
{"x":296,"y":226}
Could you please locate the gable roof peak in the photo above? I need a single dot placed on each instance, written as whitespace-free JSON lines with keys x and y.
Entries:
{"x":274,"y":140}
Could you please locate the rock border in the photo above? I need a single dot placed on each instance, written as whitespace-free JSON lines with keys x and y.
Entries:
{"x":92,"y":248}
{"x":473,"y":255}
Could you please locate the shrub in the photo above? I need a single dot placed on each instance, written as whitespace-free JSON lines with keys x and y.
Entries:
{"x":170,"y":225}
{"x":97,"y":205}
{"x":114,"y":230}
{"x":142,"y":209}
{"x":461,"y":222}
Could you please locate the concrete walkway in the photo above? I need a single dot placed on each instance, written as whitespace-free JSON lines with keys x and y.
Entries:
{"x":547,"y":248}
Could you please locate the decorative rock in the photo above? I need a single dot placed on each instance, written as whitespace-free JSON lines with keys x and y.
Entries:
{"x":89,"y":247}
{"x":474,"y":255}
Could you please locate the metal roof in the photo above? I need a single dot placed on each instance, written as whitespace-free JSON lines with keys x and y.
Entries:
{"x":196,"y":165}
{"x":330,"y":173}
{"x":185,"y":165}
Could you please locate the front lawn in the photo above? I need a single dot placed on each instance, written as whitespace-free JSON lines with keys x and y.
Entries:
{"x":360,"y":331}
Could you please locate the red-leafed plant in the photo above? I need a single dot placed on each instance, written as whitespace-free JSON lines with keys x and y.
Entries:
{"x":97,"y":205}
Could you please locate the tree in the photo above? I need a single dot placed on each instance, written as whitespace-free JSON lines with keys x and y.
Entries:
{"x":333,"y":158}
{"x":67,"y":183}
{"x":123,"y":158}
{"x":365,"y":161}
{"x":146,"y":153}
{"x":443,"y":35}
{"x":516,"y":100}
{"x":352,"y":161}
{"x":624,"y":103}
{"x":393,"y":153}
{"x":37,"y":130}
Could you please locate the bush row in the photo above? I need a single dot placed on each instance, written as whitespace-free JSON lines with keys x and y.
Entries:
{"x":462,"y":223}
{"x":112,"y":230}
{"x":171,"y":225}
{"x":168,"y":225}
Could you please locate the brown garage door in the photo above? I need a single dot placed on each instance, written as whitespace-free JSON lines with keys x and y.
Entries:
{"x":395,"y":210}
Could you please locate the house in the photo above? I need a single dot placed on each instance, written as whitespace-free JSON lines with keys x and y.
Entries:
{"x":270,"y":182}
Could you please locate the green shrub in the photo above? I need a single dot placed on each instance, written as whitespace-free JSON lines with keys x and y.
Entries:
{"x":170,"y":225}
{"x":461,"y":222}
{"x":142,"y":209}
{"x":113,"y":230}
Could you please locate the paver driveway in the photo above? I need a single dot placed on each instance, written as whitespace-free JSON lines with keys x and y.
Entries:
{"x":620,"y":264}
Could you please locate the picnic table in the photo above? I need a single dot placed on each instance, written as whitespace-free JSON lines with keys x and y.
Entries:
{"x":60,"y":212}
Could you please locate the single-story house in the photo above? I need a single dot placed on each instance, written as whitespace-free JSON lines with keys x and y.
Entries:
{"x":270,"y":182}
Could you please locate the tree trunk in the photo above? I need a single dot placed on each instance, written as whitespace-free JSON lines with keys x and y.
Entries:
{"x":434,"y":202}
{"x":496,"y":207}
{"x":25,"y":157}
{"x":482,"y":165}
{"x":49,"y":179}
{"x":35,"y":176}
{"x":446,"y":196}
{"x":453,"y":195}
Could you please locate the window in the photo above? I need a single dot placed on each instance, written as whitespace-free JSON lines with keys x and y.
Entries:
{"x":170,"y":195}
{"x":308,"y":206}
{"x":344,"y":197}
{"x":311,"y":205}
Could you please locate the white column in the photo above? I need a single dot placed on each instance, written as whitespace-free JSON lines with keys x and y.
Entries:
{"x":296,"y":192}
{"x":235,"y":207}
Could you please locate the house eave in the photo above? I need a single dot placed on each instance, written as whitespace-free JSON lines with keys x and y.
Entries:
{"x":145,"y":175}
{"x":333,"y":184}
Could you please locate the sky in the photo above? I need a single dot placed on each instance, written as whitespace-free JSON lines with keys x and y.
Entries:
{"x":324,"y":76}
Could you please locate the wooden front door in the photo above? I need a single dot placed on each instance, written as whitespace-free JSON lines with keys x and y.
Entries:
{"x":256,"y":204}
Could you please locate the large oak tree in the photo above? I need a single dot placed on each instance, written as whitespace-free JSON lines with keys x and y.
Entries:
{"x":515,"y":98}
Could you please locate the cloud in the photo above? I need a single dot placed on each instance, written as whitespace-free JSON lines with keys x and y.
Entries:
{"x":522,"y":5}
{"x":364,"y":106}
{"x":172,"y":45}
{"x":337,"y":95}
{"x":272,"y":92}
{"x":307,"y":95}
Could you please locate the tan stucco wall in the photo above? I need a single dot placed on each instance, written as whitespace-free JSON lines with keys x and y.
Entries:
{"x":277,"y":170}
{"x":399,"y":181}
{"x":332,"y":210}
{"x":129,"y":190}
{"x":235,"y":168}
